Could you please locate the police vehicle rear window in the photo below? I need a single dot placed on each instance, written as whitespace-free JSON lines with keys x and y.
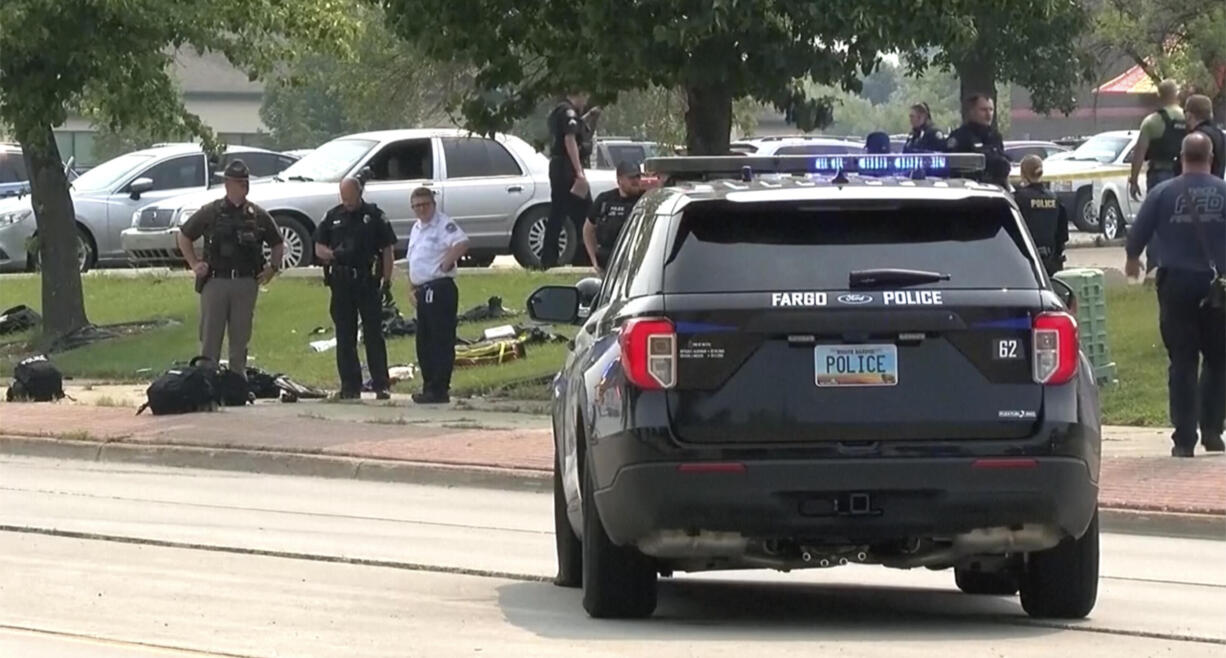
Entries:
{"x":728,"y":247}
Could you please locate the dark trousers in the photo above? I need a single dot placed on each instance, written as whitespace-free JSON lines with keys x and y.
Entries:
{"x":351,"y":299}
{"x":437,"y":303}
{"x":1195,"y":339}
{"x":562,"y":204}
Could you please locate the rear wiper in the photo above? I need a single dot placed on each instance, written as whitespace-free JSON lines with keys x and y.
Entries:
{"x":304,"y":179}
{"x":893,"y":277}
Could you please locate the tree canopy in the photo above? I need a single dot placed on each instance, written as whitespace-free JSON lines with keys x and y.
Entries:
{"x":109,"y":59}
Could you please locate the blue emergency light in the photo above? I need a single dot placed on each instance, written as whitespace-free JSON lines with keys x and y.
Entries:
{"x":744,"y":167}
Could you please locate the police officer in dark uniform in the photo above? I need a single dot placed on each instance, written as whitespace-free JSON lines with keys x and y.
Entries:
{"x":228,"y":279}
{"x":570,"y":153}
{"x":1044,"y":215}
{"x":354,"y":241}
{"x":977,"y":135}
{"x":925,"y":137}
{"x":609,"y":212}
{"x":1198,"y":110}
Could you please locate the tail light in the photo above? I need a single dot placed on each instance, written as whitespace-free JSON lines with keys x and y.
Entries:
{"x":649,"y":352}
{"x":1055,"y":348}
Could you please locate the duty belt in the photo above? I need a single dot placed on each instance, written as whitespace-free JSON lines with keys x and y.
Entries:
{"x":231,"y":274}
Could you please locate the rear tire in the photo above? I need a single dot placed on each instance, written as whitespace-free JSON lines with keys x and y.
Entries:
{"x":994,"y":583}
{"x":570,"y":550}
{"x":1062,"y":582}
{"x":1084,"y":212}
{"x":529,"y":234}
{"x":299,"y":245}
{"x":1112,"y":219}
{"x":618,"y":581}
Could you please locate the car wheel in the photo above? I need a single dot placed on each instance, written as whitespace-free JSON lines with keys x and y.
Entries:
{"x":997,"y":583}
{"x":529,"y":236}
{"x":1062,"y":582}
{"x":1112,"y":219}
{"x":299,"y":247}
{"x":87,"y":254}
{"x":618,"y":581}
{"x":1085,"y":215}
{"x":570,"y":550}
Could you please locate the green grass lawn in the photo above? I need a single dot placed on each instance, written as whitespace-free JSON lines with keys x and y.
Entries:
{"x":291,"y":308}
{"x":1132,"y":326}
{"x":288,"y":311}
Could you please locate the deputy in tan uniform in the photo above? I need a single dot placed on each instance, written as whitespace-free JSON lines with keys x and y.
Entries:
{"x":235,"y":232}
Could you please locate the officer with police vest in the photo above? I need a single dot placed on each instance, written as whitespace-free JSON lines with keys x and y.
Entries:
{"x":1044,"y":215}
{"x":235,"y":232}
{"x":1198,"y":110}
{"x":925,"y":137}
{"x":609,"y":212}
{"x":354,"y":242}
{"x":569,"y":153}
{"x":978,"y":135}
{"x":436,"y":245}
{"x":1162,"y":133}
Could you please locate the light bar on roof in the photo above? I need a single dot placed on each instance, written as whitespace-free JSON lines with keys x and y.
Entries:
{"x":934,"y":165}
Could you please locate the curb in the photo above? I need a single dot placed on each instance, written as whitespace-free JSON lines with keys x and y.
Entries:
{"x":1126,"y":521}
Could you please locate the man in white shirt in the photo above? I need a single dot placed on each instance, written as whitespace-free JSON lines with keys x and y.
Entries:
{"x":436,"y":245}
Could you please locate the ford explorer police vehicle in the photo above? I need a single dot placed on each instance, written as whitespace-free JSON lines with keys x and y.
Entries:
{"x":805,"y":362}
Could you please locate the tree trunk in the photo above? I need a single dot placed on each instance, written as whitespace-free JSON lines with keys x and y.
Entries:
{"x":977,"y":75}
{"x":63,"y":301}
{"x":708,"y":119}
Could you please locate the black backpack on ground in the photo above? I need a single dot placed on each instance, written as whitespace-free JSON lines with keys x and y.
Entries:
{"x":262,"y":384}
{"x":36,"y":379}
{"x":19,"y":318}
{"x":232,"y":388}
{"x":183,"y":389}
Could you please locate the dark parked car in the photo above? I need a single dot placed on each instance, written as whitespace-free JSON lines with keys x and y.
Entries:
{"x":796,"y":371}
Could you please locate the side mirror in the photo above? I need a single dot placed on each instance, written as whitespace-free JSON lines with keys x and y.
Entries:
{"x":1066,"y":293}
{"x":139,"y":187}
{"x":554,"y":304}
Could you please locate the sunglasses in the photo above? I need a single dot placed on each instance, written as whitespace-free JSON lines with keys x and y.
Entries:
{"x":422,"y":205}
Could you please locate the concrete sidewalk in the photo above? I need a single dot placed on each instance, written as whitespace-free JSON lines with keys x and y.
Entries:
{"x":468,"y":443}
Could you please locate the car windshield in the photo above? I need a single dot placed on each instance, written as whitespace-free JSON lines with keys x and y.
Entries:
{"x":108,"y":174}
{"x":330,"y":162}
{"x":1103,"y":148}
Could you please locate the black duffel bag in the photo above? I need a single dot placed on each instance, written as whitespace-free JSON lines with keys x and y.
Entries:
{"x":37,"y":379}
{"x":183,"y":389}
{"x":232,"y":388}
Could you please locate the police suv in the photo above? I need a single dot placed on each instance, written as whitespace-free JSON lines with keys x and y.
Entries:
{"x":799,"y":362}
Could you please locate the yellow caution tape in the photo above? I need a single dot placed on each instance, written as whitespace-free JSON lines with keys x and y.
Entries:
{"x":1116,"y":172}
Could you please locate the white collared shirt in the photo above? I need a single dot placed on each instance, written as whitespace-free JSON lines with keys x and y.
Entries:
{"x":428,"y":243}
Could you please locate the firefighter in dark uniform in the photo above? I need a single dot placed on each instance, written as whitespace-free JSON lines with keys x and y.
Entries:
{"x":229,"y":277}
{"x":1044,"y":215}
{"x":925,"y":137}
{"x":977,"y":135}
{"x":609,"y":212}
{"x":354,"y":242}
{"x":570,"y":151}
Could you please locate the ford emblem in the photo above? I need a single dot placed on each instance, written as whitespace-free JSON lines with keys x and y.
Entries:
{"x":855,"y":299}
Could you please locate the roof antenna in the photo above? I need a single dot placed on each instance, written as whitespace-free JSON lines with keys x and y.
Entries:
{"x":746,"y":174}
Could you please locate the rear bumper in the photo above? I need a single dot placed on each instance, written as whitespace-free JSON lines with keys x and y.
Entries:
{"x":907,"y":498}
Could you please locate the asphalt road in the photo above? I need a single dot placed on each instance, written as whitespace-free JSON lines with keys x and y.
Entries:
{"x":131,"y":561}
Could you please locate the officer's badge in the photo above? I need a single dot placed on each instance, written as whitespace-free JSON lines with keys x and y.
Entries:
{"x":952,"y":143}
{"x":570,"y":113}
{"x":939,"y":135}
{"x":450,"y":228}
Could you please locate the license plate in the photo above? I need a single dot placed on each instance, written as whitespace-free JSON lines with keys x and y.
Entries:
{"x":856,"y":365}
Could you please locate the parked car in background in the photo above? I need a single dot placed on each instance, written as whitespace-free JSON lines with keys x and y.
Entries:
{"x":796,"y":145}
{"x":1015,"y":150}
{"x":1073,"y":174}
{"x":106,"y":196}
{"x":297,"y":154}
{"x":496,"y":188}
{"x":13,"y":177}
{"x":610,"y":151}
